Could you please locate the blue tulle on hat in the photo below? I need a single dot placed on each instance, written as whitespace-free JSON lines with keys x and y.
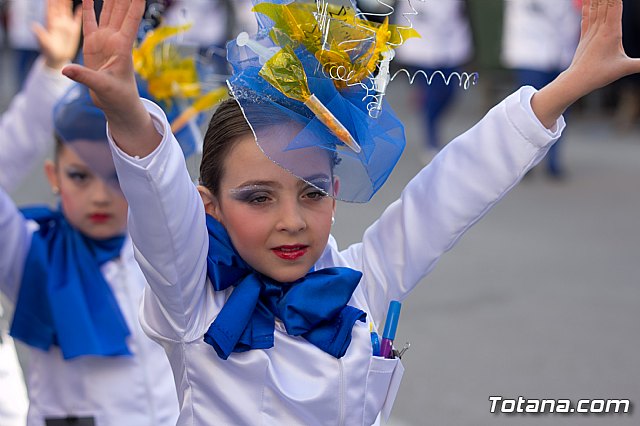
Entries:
{"x":292,"y":136}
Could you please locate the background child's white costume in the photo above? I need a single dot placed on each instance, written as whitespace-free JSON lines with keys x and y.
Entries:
{"x":116,"y":391}
{"x":24,"y":129}
{"x":135,"y":390}
{"x":294,"y":382}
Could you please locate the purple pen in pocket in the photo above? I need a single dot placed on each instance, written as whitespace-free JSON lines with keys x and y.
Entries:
{"x":390,"y":326}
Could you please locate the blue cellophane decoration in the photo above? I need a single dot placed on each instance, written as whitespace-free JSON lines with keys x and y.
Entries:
{"x":360,"y":175}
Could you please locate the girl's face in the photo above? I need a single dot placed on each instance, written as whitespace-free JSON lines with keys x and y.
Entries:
{"x":94,"y":207}
{"x":278,"y":223}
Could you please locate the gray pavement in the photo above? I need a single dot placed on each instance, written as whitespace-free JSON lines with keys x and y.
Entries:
{"x":541,"y":299}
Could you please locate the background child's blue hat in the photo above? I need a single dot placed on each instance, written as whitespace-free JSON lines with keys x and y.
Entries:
{"x":288,"y":53}
{"x":82,"y":127}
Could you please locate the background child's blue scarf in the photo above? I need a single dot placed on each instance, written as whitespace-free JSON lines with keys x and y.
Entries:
{"x":314,"y":307}
{"x":64,"y":300}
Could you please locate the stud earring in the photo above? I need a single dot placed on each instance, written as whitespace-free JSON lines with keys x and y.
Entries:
{"x":55,"y":190}
{"x":333,"y":220}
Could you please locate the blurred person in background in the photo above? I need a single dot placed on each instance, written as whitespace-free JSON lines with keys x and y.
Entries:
{"x":24,"y":129}
{"x":211,"y":26}
{"x":446,"y":44}
{"x":21,"y":16}
{"x":539,"y":40}
{"x":243,"y":17}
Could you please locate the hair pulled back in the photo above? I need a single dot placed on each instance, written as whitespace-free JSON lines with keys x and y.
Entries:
{"x":226,"y":127}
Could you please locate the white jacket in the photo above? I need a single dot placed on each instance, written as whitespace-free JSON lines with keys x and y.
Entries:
{"x":131,"y":391}
{"x":540,"y":35}
{"x":294,"y":382}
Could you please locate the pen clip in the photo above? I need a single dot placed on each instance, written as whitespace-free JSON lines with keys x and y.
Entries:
{"x":398,"y":354}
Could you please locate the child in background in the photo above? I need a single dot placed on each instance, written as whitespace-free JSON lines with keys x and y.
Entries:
{"x":27,"y":125}
{"x":539,"y":40}
{"x":252,"y":335}
{"x":71,"y":275}
{"x":25,"y":128}
{"x":446,"y":44}
{"x":76,"y":288}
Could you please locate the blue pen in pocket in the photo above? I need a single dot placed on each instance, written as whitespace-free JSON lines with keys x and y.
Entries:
{"x":390,"y":326}
{"x":375,"y":340}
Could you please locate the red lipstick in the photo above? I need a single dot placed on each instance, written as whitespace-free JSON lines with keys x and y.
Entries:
{"x":99,"y":217}
{"x":292,"y":252}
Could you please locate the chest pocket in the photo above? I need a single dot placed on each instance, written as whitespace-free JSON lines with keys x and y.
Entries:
{"x":383,"y":382}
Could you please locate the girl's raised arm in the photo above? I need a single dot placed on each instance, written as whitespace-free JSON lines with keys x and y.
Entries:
{"x":599,"y":60}
{"x":27,"y":124}
{"x":109,"y":73}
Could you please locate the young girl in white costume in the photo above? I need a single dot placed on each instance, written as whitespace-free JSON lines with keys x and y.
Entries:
{"x":24,"y":127}
{"x":252,"y":335}
{"x":74,"y":282}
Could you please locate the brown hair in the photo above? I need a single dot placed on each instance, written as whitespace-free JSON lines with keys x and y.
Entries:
{"x":57,"y":149}
{"x":225,"y":128}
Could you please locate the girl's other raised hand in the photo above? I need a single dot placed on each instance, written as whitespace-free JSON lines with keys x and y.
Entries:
{"x":599,"y":60}
{"x":109,"y":74}
{"x":59,"y":38}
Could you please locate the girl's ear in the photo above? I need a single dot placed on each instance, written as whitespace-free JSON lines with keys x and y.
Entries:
{"x":211,"y":204}
{"x":51,"y":171}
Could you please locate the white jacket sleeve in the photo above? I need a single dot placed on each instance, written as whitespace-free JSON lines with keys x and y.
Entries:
{"x":168,"y":230}
{"x":14,"y":243}
{"x":469,"y":176}
{"x":26,"y":128}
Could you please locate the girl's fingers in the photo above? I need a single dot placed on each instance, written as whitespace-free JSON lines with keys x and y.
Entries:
{"x":83,"y":75}
{"x":593,"y":12}
{"x":105,"y":14}
{"x":77,"y":16}
{"x":89,"y":24}
{"x":584,"y":24}
{"x":132,"y":20}
{"x":41,"y":35}
{"x":118,"y":12}
{"x":614,"y":14}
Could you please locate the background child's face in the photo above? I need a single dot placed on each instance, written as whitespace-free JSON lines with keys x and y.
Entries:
{"x":94,"y":207}
{"x":278,"y":223}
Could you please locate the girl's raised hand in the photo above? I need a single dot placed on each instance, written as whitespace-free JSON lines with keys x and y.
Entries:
{"x":599,"y":60}
{"x":59,"y":39}
{"x":107,"y":52}
{"x":109,"y":74}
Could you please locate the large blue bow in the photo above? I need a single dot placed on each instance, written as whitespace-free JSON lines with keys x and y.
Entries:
{"x":64,"y":300}
{"x":314,"y":307}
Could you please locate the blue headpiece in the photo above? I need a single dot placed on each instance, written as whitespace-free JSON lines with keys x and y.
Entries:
{"x":311,"y":85}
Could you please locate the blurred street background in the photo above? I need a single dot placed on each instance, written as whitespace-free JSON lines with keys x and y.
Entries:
{"x":541,"y":299}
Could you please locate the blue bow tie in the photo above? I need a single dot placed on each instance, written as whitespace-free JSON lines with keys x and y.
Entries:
{"x":64,"y":300}
{"x":314,"y":307}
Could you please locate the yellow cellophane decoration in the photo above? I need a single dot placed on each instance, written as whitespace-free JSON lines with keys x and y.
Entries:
{"x":347,"y":34}
{"x":201,"y":104}
{"x":285,"y":72}
{"x":170,"y":75}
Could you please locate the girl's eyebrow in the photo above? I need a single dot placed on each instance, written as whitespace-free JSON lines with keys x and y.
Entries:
{"x":313,"y":179}
{"x":260,"y":183}
{"x":320,"y":181}
{"x":77,"y":167}
{"x":249,"y":187}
